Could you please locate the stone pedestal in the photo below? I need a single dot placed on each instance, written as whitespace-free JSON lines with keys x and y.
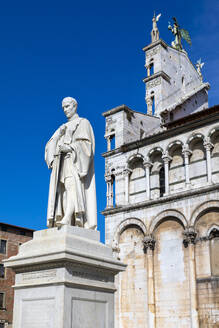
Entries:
{"x":64,"y":279}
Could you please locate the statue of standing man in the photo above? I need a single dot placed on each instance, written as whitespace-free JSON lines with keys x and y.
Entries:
{"x":70,"y":155}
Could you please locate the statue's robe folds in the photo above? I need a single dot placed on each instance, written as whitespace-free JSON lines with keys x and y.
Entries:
{"x":77,"y":164}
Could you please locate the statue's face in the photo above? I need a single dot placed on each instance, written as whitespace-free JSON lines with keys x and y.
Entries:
{"x":69,"y":108}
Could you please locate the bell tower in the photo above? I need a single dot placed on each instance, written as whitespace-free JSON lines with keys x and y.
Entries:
{"x":174,"y":88}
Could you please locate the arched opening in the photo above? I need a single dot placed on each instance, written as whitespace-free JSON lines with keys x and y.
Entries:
{"x":215,"y":155}
{"x":207,"y":264}
{"x":157,"y":173}
{"x":137,"y":187}
{"x":112,"y":141}
{"x":151,"y":66}
{"x":171,"y":275}
{"x":198,"y":151}
{"x":197,"y":167}
{"x":162,"y":181}
{"x":153,"y":104}
{"x":131,"y":295}
{"x":113,"y":190}
{"x":176,"y":168}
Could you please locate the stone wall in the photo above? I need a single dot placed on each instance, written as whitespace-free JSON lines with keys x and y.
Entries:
{"x":14,"y":239}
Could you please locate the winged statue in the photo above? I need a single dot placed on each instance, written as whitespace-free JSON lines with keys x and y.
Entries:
{"x":179,"y":34}
{"x":155,"y":31}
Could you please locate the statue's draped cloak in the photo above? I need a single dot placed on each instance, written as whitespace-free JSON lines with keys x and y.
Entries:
{"x":78,"y":164}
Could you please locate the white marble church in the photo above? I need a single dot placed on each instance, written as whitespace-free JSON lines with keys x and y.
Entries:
{"x":162,"y":211}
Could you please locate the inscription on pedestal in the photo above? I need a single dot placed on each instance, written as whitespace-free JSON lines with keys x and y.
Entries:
{"x":82,"y":273}
{"x":44,"y":275}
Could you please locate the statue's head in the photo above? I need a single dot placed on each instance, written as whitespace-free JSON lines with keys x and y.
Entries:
{"x":69,"y":106}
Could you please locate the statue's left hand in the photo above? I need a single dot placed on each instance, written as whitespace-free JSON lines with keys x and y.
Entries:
{"x":64,"y":149}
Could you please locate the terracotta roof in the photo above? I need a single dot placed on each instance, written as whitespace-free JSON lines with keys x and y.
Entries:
{"x":16,"y":227}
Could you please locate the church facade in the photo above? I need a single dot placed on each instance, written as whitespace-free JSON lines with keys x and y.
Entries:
{"x":162,"y":211}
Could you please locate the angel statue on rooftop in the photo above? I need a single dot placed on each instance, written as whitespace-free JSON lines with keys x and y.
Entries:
{"x":179,"y":33}
{"x":155,"y":31}
{"x":70,"y":155}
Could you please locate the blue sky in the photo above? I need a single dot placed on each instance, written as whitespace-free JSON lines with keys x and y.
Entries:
{"x":91,"y":50}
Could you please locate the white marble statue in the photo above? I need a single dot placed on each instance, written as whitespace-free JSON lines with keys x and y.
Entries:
{"x":70,"y":155}
{"x":199,"y":66}
{"x":155,"y":31}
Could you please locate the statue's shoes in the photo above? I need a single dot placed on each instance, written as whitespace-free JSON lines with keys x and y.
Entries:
{"x":61,"y":223}
{"x":79,"y":222}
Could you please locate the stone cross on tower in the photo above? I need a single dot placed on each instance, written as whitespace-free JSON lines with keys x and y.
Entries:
{"x":155,"y":31}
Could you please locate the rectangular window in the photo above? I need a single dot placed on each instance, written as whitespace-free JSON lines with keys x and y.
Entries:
{"x":3,"y":244}
{"x":2,"y":300}
{"x":2,"y":272}
{"x":2,"y":325}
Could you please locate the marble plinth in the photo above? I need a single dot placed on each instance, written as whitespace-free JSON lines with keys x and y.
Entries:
{"x":64,"y":279}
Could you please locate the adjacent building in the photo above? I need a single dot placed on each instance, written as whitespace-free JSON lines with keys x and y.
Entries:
{"x":162,"y":211}
{"x":11,"y":237}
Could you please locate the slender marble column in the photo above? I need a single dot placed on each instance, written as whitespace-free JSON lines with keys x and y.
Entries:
{"x":147,"y":166}
{"x":187,"y":153}
{"x":108,"y":138}
{"x":126,"y":174}
{"x":208,"y":146}
{"x":149,"y":244}
{"x":189,"y":241}
{"x":108,"y":180}
{"x":148,"y":70}
{"x":166,"y":158}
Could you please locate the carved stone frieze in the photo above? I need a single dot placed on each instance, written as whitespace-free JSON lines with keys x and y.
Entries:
{"x":154,"y":83}
{"x":84,"y":273}
{"x":153,"y":52}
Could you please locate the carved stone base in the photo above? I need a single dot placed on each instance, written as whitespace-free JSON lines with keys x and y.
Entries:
{"x":64,"y":279}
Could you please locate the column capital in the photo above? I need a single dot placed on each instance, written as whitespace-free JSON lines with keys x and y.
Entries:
{"x":126,"y":172}
{"x":147,"y":164}
{"x":189,"y":236}
{"x":166,"y":158}
{"x":186,"y":151}
{"x":108,"y":178}
{"x":207,"y":144}
{"x":149,"y":100}
{"x":149,"y":242}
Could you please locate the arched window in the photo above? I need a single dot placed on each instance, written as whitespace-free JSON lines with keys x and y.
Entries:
{"x":162,"y":181}
{"x":137,"y":187}
{"x":112,"y":139}
{"x":113,"y":192}
{"x":198,"y":151}
{"x":151,"y":68}
{"x":152,"y":103}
